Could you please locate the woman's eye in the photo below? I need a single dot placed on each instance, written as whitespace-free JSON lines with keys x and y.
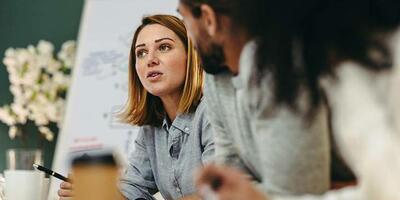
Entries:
{"x":165,"y":47}
{"x":141,"y":53}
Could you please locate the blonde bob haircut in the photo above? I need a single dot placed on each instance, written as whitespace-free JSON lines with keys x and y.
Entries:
{"x":143,"y":108}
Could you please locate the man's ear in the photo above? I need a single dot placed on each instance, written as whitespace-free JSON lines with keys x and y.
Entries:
{"x":209,"y":19}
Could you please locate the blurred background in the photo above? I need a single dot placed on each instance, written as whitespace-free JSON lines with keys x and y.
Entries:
{"x":25,"y":22}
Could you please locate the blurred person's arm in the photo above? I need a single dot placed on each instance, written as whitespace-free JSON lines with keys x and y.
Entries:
{"x":208,"y":145}
{"x":293,"y":150}
{"x":225,"y":150}
{"x":234,"y":186}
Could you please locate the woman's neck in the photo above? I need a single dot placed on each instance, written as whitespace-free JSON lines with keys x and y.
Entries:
{"x":171,"y":104}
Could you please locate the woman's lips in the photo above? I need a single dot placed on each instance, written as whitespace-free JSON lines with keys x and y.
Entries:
{"x":154,"y":75}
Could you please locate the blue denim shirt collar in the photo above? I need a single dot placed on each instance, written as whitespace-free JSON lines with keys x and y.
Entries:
{"x":181,"y":122}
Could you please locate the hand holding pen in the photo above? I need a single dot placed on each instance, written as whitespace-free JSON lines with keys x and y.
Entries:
{"x":225,"y":183}
{"x":65,"y":190}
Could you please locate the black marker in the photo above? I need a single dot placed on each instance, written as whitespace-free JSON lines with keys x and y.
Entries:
{"x":50,"y":172}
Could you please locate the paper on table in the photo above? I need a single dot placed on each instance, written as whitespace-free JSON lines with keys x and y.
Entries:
{"x":2,"y":181}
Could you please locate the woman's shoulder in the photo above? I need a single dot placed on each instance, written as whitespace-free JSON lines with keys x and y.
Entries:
{"x":200,"y":113}
{"x":147,"y":131}
{"x":201,"y":108}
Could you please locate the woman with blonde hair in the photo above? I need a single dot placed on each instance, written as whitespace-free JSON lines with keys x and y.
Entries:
{"x":165,"y":101}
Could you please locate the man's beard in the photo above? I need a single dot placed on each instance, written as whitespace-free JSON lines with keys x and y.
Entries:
{"x":213,"y":61}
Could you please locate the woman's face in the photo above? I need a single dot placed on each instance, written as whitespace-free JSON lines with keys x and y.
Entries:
{"x":160,"y":61}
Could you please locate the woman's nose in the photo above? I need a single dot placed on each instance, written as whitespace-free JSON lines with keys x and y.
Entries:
{"x":153,"y":60}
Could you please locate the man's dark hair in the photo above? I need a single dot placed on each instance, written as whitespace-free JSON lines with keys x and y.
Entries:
{"x":240,"y":11}
{"x":302,"y":40}
{"x":219,"y":6}
{"x":299,"y":41}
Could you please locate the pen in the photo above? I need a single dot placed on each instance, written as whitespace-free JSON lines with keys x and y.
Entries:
{"x":50,"y":172}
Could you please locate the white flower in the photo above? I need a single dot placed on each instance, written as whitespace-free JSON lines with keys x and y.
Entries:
{"x":11,"y":63}
{"x":40,"y":119}
{"x":67,"y":53}
{"x":28,"y":92}
{"x":15,"y":80}
{"x":13,"y":132}
{"x":47,"y":133}
{"x":37,"y":113}
{"x":6,"y":116}
{"x":32,"y":49}
{"x":53,"y":66}
{"x":30,"y":78}
{"x":51,"y":112}
{"x":46,"y":83}
{"x":36,"y":87}
{"x":15,"y":90}
{"x":23,"y":57}
{"x":45,"y":47}
{"x":61,"y":80}
{"x":37,"y":79}
{"x":20,"y":112}
{"x":42,"y":99}
{"x":10,"y":52}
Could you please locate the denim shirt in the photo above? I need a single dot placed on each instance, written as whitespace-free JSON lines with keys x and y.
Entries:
{"x":165,"y":157}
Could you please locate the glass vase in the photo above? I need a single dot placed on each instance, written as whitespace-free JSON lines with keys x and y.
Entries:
{"x":23,"y":159}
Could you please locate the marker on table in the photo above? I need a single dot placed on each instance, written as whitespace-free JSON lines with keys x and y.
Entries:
{"x":50,"y":172}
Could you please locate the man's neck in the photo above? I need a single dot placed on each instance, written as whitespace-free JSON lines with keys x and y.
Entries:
{"x":233,"y":48}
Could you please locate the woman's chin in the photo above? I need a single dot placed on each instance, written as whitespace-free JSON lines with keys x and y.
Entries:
{"x":163,"y":92}
{"x":157,"y":92}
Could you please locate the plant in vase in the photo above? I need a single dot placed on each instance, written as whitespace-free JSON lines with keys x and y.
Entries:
{"x":38,"y":82}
